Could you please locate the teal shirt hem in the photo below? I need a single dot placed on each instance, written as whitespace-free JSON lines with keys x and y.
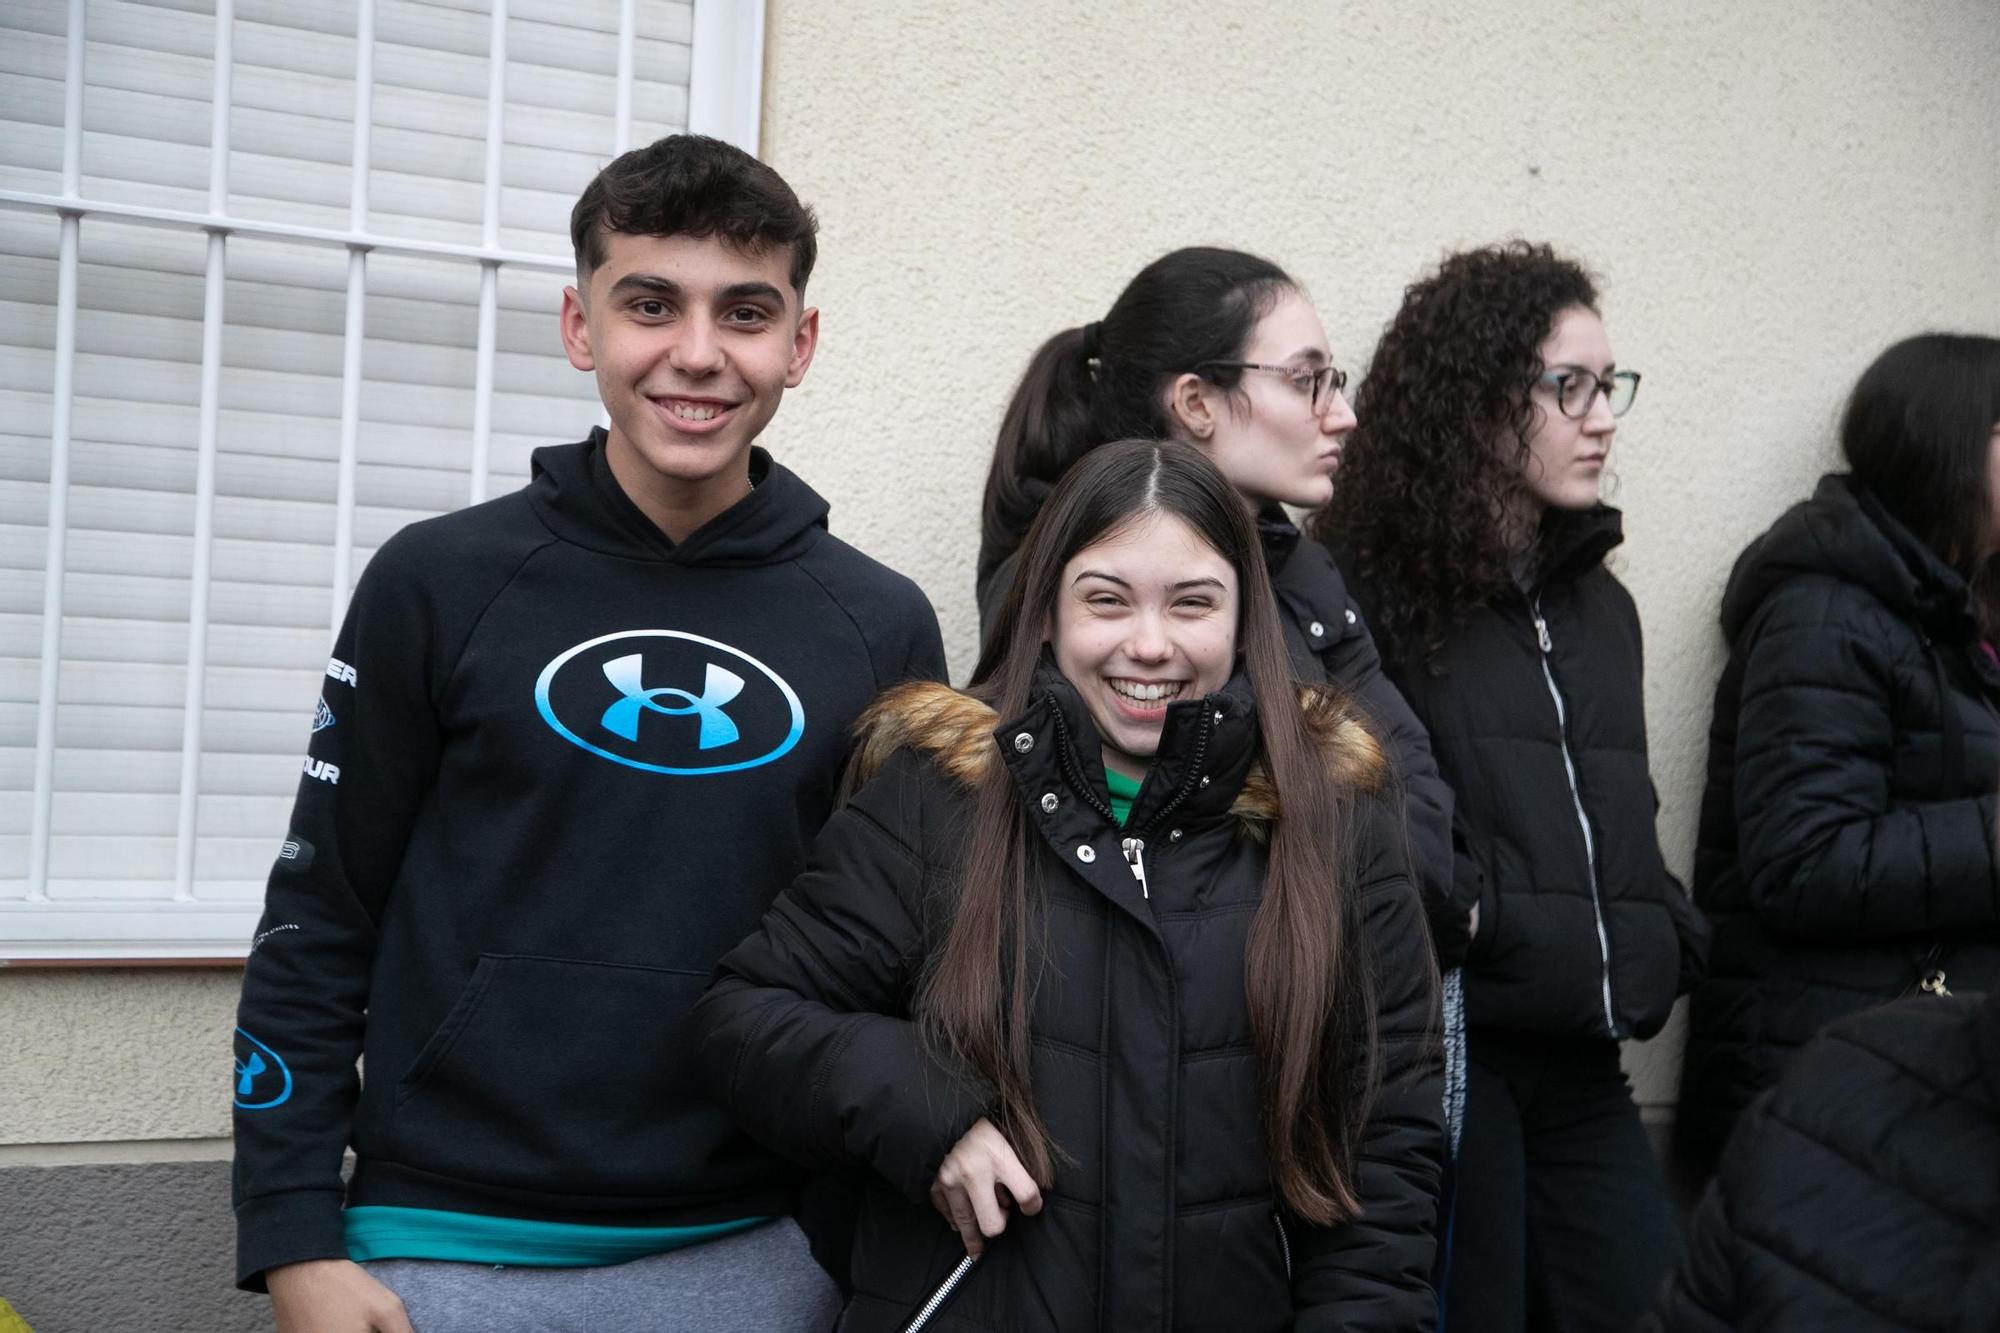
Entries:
{"x":378,"y":1232}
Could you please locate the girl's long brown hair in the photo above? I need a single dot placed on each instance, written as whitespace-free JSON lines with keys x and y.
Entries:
{"x":1307,"y":984}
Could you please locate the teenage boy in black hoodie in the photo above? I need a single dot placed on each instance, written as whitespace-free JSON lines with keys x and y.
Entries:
{"x":571,"y":744}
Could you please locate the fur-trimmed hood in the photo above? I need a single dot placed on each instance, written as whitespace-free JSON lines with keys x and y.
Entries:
{"x":961,"y":735}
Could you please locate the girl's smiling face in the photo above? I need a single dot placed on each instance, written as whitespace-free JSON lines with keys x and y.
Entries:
{"x":1144,"y":617}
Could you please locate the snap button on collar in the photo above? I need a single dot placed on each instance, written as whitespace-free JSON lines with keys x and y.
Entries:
{"x":1048,"y":802}
{"x":1023,"y":742}
{"x":1086,"y":853}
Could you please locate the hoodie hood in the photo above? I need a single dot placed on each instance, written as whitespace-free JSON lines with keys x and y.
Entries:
{"x":575,"y":494}
{"x":1843,"y":532}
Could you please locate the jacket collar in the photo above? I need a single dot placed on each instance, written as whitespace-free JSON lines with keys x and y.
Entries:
{"x":1844,"y":532}
{"x":1278,"y":535}
{"x":1573,"y":543}
{"x":1207,"y":747}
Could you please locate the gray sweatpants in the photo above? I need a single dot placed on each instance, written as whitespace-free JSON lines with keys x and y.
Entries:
{"x":761,"y":1280}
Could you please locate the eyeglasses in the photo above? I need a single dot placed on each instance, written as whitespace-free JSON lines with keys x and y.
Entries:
{"x":1576,"y":389}
{"x":1318,"y":383}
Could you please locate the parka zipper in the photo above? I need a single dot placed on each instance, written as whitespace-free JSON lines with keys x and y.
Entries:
{"x":1547,"y":647}
{"x":1134,"y":848}
{"x":1284,"y":1241}
{"x":1135,"y":856}
{"x":941,"y":1295}
{"x":1066,"y":754}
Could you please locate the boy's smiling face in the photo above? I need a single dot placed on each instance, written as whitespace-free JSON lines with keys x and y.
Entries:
{"x":694,"y":342}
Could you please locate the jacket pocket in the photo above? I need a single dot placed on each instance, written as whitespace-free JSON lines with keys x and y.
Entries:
{"x":561,"y":1076}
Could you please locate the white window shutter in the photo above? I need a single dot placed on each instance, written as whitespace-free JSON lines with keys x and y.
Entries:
{"x":141,"y":188}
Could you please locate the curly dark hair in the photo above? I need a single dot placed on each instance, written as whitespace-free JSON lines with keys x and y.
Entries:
{"x":1429,"y":476}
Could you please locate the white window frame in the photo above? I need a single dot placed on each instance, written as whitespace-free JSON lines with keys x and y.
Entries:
{"x":725,"y":96}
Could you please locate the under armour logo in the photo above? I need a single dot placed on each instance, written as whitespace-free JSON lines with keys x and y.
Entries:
{"x":719,"y":685}
{"x":254,"y":1062}
{"x":732,"y":711}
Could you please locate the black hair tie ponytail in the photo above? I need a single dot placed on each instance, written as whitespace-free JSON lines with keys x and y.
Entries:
{"x":1091,"y":331}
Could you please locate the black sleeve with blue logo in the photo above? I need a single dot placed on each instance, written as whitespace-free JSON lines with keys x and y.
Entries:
{"x":368,"y":766}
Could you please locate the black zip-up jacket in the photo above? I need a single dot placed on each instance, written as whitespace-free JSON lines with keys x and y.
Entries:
{"x":1862,"y":1195}
{"x":1536,"y":712}
{"x":1847,"y":829}
{"x":1329,"y":642}
{"x":559,"y":766}
{"x":1163,"y":1214}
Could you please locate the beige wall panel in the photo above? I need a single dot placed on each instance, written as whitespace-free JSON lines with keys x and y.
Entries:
{"x":115,"y":1054}
{"x":1770,"y":193}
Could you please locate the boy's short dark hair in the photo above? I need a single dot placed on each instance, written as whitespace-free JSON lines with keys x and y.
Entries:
{"x":692,"y":185}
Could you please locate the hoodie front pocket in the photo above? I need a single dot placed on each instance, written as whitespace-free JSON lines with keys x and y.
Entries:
{"x":561,"y":1076}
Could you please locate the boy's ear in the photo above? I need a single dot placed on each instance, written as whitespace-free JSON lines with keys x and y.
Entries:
{"x":805,"y":341}
{"x":1188,"y":407}
{"x":576,"y":330}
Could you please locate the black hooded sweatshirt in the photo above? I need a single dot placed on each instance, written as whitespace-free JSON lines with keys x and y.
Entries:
{"x":559,"y":766}
{"x":1847,"y":829}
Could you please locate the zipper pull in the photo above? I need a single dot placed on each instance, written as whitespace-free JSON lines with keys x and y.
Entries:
{"x":1541,"y":626}
{"x":1135,"y":856}
{"x":1933,"y":982}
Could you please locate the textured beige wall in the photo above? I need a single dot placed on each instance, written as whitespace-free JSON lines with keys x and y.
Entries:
{"x":1771,"y":193}
{"x":100,"y":1056}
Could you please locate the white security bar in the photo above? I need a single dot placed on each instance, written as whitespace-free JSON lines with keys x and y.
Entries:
{"x":357,"y":297}
{"x":196,"y":695}
{"x":489,"y":273}
{"x":280,"y":231}
{"x":628,"y":33}
{"x":59,"y":439}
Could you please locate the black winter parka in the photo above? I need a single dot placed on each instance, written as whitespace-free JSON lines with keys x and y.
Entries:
{"x":1862,"y":1195}
{"x":1536,"y":712}
{"x":1163,"y":1214}
{"x":1847,"y":828}
{"x":1328,"y":641}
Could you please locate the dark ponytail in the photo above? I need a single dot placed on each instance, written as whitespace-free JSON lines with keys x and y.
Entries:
{"x":1184,"y":310}
{"x":1046,"y":428}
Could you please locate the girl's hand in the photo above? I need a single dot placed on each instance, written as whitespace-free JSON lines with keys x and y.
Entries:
{"x":976,"y":1183}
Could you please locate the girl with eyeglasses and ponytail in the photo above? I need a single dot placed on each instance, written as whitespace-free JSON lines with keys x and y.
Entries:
{"x":1470,"y":517}
{"x":1110,"y":974}
{"x":1224,"y":351}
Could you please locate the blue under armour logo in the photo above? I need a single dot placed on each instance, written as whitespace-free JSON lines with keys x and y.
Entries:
{"x":596,"y":695}
{"x":255,"y":1062}
{"x":718,"y":687}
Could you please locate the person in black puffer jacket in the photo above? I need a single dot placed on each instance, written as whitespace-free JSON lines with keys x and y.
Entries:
{"x":1469,"y":511}
{"x":1222,"y":350}
{"x":1862,"y":1194}
{"x":1114,"y":962}
{"x":1847,"y":831}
